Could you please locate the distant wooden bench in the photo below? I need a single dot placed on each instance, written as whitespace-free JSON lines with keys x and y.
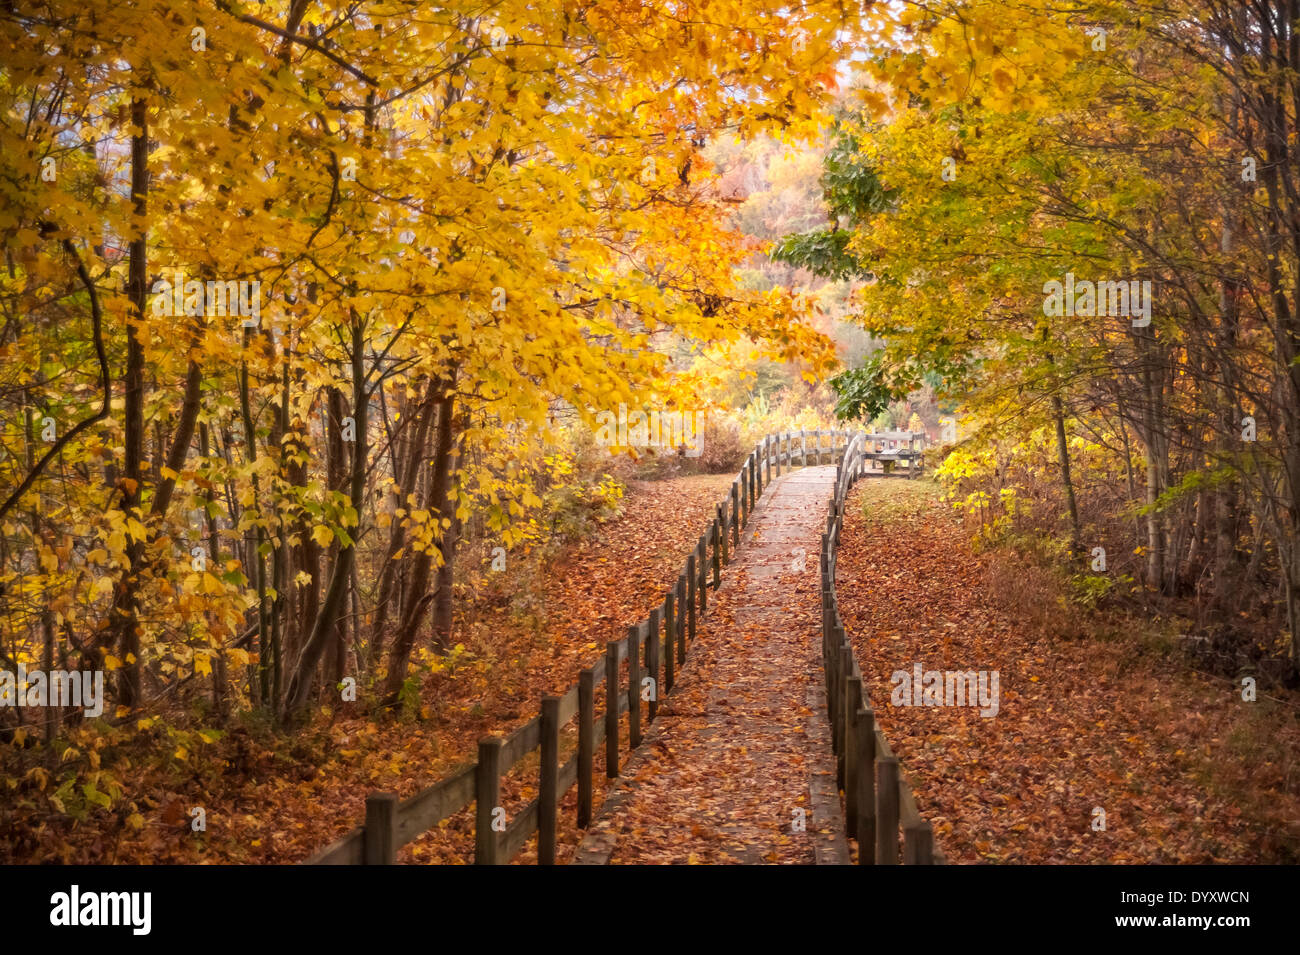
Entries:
{"x":883,"y":459}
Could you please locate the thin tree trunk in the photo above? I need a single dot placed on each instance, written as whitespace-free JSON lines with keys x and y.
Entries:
{"x":1063,"y":457}
{"x":219,"y":685}
{"x":413,"y":456}
{"x":419,"y":595}
{"x":304,"y":674}
{"x":126,"y":598}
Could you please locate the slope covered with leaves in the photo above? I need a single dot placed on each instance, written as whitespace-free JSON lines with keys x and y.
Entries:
{"x":267,"y":801}
{"x":1093,"y":713}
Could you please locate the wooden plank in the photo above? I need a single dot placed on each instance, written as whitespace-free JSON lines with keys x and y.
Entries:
{"x":569,"y":775}
{"x":520,"y":743}
{"x":568,"y":705}
{"x":601,"y":724}
{"x":431,"y":806}
{"x":518,"y":832}
{"x":918,"y":844}
{"x":908,"y":813}
{"x":350,"y":850}
{"x":882,"y":745}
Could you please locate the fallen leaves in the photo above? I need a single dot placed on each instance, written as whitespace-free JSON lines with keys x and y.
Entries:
{"x":1081,"y":725}
{"x":721,"y":781}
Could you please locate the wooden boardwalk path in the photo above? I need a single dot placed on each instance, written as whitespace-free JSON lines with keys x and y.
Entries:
{"x":738,"y":766}
{"x":737,"y":759}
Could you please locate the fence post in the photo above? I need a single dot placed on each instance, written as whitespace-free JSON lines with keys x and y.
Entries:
{"x":746,"y":505}
{"x":721,"y":534}
{"x":717,"y":555}
{"x":586,"y":743}
{"x":852,"y":703}
{"x":690,"y":598}
{"x":832,"y":694}
{"x":803,"y":447}
{"x":742,"y":480}
{"x":634,"y":687}
{"x":753,"y":483}
{"x":611,"y":709}
{"x":380,"y":845}
{"x":865,"y":795}
{"x":827,"y":626}
{"x":703,"y":586}
{"x":681,"y":618}
{"x":652,"y":662}
{"x":837,"y":703}
{"x":918,"y":844}
{"x":887,"y":811}
{"x":670,"y":622}
{"x":735,"y":517}
{"x":548,"y":789}
{"x":487,"y":794}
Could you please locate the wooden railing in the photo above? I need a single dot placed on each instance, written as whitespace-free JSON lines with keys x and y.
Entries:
{"x":877,"y":797}
{"x":651,"y":651}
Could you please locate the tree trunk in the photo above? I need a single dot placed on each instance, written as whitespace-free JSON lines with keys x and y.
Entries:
{"x":127,"y":595}
{"x":1063,"y":456}
{"x":439,"y":498}
{"x":416,"y":435}
{"x":326,"y":625}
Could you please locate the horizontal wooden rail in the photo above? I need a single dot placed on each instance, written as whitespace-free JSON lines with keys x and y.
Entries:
{"x":659,"y":647}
